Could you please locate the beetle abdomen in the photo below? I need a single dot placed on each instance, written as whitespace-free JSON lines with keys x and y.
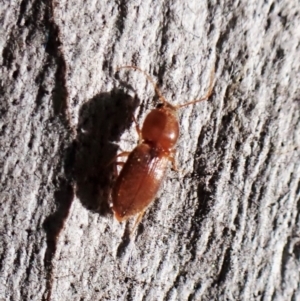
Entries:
{"x":139,"y":180}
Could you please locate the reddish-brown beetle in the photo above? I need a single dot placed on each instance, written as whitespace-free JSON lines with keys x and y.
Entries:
{"x":144,"y":170}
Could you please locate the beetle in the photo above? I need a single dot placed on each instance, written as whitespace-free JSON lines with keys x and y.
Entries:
{"x":142,"y":174}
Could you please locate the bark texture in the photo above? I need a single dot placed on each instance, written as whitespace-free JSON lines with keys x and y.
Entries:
{"x":227,"y":226}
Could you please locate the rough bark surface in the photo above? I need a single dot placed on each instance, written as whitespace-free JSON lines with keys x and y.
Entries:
{"x":226,"y":227}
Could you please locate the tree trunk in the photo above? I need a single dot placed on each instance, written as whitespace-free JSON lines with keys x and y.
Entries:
{"x":226,"y":226}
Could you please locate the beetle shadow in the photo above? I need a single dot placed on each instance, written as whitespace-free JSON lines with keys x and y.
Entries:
{"x":102,"y":120}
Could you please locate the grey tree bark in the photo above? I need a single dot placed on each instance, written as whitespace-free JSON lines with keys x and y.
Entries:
{"x":226,"y":226}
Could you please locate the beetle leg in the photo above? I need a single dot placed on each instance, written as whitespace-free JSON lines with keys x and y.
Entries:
{"x":137,"y":222}
{"x":173,"y":160}
{"x":116,"y":173}
{"x":123,"y":154}
{"x":138,"y":129}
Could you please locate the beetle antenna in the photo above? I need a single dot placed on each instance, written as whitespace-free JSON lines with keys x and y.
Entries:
{"x":208,"y":94}
{"x":161,"y":98}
